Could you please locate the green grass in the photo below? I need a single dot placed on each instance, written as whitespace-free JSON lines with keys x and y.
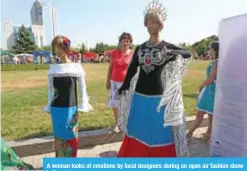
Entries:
{"x":10,"y":67}
{"x":24,"y":94}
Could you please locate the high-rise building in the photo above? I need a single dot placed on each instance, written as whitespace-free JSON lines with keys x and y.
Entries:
{"x":44,"y":25}
{"x":87,"y":45}
{"x":39,"y":36}
{"x":44,"y":16}
{"x":9,"y":34}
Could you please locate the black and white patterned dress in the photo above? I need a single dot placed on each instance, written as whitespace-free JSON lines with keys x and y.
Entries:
{"x":152,"y":109}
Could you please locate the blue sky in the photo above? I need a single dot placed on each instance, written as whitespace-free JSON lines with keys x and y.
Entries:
{"x":104,"y":20}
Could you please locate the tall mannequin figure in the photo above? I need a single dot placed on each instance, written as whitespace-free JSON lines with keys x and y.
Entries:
{"x":151,"y":111}
{"x":63,"y":100}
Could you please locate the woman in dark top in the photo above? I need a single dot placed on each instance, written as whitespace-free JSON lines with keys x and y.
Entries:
{"x":151,"y":111}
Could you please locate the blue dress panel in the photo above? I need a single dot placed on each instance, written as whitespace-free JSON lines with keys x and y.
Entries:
{"x":207,"y":94}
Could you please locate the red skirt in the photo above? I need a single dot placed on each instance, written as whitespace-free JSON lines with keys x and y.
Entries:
{"x":66,"y":148}
{"x":133,"y":148}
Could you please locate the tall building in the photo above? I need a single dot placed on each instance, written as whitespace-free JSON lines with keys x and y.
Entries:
{"x":38,"y":34}
{"x":87,"y":45}
{"x":45,"y":17}
{"x":44,"y":25}
{"x":9,"y":34}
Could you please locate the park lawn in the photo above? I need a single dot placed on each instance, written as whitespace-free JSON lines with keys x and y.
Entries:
{"x":24,"y":94}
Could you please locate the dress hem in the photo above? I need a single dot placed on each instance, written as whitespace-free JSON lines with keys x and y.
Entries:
{"x":158,"y":145}
{"x":202,"y":110}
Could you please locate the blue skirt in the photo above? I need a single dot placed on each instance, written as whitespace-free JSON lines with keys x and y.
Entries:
{"x":145,"y":124}
{"x":206,"y":99}
{"x":64,"y":122}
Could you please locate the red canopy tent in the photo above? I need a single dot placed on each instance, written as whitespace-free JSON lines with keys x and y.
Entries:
{"x":72,"y":54}
{"x":88,"y":55}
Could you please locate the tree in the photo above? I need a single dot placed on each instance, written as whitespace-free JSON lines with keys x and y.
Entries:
{"x":82,"y":48}
{"x":201,"y":47}
{"x":47,"y":48}
{"x":185,"y":46}
{"x":74,"y":49}
{"x":100,"y":48}
{"x":24,"y":43}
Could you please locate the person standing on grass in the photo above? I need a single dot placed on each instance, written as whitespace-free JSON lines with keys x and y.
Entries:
{"x":151,"y":104}
{"x":62,"y":99}
{"x":207,"y":94}
{"x":119,"y":61}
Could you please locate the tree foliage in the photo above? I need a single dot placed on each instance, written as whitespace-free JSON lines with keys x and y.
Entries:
{"x":201,"y":47}
{"x":185,"y":46}
{"x":26,"y":45}
{"x":24,"y":42}
{"x":83,"y":48}
{"x":100,"y":48}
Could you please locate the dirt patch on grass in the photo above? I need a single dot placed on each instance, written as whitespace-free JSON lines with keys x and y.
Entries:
{"x":194,"y":74}
{"x":31,"y":82}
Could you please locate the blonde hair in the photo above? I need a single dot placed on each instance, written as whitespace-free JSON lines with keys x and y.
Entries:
{"x":59,"y":41}
{"x":152,"y":16}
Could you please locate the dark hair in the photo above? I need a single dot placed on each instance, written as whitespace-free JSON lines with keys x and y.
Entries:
{"x":215,"y":46}
{"x":126,"y":35}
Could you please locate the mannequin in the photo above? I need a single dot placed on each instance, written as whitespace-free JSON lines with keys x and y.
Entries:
{"x":151,"y":105}
{"x":62,"y":99}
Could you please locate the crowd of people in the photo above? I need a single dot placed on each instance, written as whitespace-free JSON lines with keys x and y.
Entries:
{"x":145,"y":94}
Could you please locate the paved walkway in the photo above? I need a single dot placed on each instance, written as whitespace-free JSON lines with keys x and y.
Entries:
{"x":198,"y":148}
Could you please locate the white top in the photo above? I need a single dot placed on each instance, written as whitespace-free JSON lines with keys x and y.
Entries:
{"x":69,"y":69}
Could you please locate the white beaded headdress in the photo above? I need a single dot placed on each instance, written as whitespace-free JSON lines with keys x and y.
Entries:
{"x":156,"y":7}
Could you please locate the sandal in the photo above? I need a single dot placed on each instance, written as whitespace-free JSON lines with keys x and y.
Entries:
{"x":116,"y":129}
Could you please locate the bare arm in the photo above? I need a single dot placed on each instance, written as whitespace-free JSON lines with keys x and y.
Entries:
{"x":211,"y":77}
